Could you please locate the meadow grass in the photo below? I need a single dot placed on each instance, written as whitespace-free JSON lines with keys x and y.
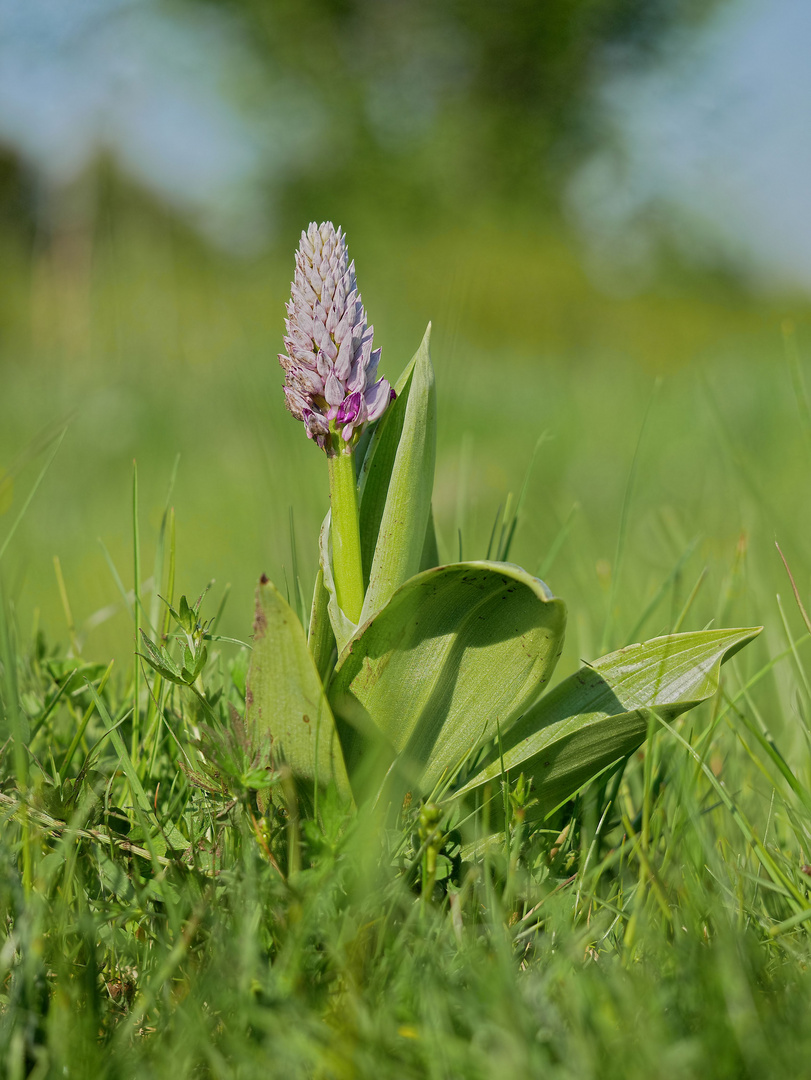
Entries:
{"x":157,"y":923}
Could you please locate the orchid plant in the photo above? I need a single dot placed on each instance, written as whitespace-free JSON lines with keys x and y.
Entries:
{"x":414,"y":676}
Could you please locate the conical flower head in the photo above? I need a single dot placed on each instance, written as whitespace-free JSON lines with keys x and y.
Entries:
{"x":330,"y":366}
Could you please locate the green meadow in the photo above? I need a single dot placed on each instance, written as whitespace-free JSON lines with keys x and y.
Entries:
{"x":662,"y":422}
{"x":656,"y":446}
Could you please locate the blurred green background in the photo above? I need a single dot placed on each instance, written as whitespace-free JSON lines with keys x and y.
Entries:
{"x":627,"y":286}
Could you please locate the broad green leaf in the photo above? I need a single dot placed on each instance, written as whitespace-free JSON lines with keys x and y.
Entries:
{"x":286,"y":703}
{"x":6,"y":491}
{"x":600,"y":714}
{"x":400,"y":538}
{"x":457,"y":653}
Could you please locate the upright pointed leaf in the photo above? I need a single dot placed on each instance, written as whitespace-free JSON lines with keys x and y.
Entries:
{"x":286,"y":704}
{"x":457,"y":653}
{"x":600,"y":714}
{"x":401,"y":534}
{"x":378,"y":462}
{"x":320,"y":637}
{"x":430,"y":549}
{"x":342,"y":627}
{"x":378,"y":455}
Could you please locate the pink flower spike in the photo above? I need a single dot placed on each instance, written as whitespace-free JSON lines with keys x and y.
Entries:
{"x":330,"y":364}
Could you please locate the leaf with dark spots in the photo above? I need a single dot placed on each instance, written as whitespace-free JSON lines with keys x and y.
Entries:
{"x":260,"y":622}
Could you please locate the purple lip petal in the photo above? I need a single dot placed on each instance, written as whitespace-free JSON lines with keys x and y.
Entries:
{"x":349,"y":409}
{"x":357,"y":422}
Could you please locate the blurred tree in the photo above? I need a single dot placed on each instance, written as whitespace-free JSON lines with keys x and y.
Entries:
{"x":223,"y":107}
{"x":455,"y":98}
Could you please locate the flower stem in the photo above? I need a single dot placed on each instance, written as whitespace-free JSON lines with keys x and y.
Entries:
{"x":346,"y":560}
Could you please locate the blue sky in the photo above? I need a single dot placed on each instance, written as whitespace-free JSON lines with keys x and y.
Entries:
{"x":714,"y":146}
{"x":152,"y":86}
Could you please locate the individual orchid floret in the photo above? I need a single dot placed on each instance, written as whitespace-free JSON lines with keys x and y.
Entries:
{"x":330,"y":366}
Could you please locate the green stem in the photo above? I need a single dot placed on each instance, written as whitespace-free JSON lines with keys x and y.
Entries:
{"x":347,"y":567}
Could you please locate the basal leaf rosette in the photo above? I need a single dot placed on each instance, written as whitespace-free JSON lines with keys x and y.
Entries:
{"x":439,"y":683}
